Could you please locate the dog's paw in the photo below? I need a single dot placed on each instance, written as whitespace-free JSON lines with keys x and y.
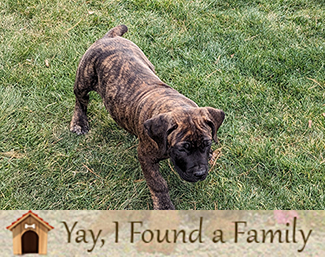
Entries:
{"x":79,"y":130}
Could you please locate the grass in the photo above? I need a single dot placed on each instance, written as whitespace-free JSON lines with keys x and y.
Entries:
{"x":262,"y":62}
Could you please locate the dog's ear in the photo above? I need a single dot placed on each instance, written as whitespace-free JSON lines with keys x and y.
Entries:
{"x":216,"y":117}
{"x":158,"y":128}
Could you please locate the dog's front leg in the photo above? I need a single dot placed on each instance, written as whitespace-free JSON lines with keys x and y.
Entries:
{"x":156,"y":183}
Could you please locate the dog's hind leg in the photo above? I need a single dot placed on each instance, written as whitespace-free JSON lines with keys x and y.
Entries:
{"x":86,"y":80}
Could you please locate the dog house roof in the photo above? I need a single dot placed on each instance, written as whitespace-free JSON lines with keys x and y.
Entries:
{"x":25,"y":216}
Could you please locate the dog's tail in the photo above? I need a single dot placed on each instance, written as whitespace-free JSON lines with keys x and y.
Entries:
{"x":117,"y":31}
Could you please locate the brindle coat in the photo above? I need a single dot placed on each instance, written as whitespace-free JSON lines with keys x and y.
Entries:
{"x":167,"y":123}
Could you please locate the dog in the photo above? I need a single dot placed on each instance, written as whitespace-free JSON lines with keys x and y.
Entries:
{"x":168,"y":124}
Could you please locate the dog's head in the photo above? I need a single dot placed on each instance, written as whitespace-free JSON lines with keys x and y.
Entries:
{"x":186,"y":136}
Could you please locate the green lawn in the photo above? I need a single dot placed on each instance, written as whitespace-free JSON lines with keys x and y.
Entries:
{"x":262,"y":62}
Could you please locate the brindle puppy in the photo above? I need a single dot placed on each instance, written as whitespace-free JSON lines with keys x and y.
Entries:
{"x":167,"y":123}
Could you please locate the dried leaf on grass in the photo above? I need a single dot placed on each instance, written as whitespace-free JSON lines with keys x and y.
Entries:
{"x":215,"y":156}
{"x":13,"y":154}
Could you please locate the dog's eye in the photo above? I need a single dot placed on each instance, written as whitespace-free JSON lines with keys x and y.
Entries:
{"x":187,"y":146}
{"x":206,"y":143}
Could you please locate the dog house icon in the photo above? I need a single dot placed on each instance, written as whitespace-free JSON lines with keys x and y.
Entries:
{"x":29,"y":234}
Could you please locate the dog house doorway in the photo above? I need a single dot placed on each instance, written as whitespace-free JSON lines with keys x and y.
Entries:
{"x":29,"y":242}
